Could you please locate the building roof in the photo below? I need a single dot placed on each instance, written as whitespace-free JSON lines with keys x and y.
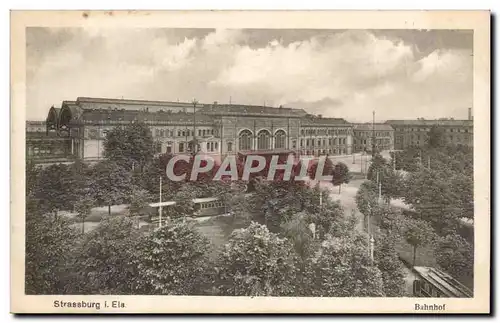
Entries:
{"x":369,"y":127}
{"x":423,"y":122}
{"x":318,"y":121}
{"x":239,"y":109}
{"x":137,"y":102}
{"x":133,"y":115}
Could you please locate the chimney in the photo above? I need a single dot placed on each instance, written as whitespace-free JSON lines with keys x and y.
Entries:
{"x":470,"y":113}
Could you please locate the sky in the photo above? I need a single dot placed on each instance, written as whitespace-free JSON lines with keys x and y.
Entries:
{"x":399,"y":74}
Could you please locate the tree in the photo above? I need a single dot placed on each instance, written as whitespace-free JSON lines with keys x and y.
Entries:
{"x":456,"y":256}
{"x":256,"y":262}
{"x":328,"y":168}
{"x":390,"y":220}
{"x":417,"y":233}
{"x":105,"y":262}
{"x":440,"y":197}
{"x":297,"y":231}
{"x":328,"y":218}
{"x":378,"y":164}
{"x":77,"y":182}
{"x":367,"y":199}
{"x":435,"y":137}
{"x":111,"y":184}
{"x":391,"y":184}
{"x":172,"y":260}
{"x":386,"y":259}
{"x":50,"y":241}
{"x":130,"y":146}
{"x":232,"y":195}
{"x":51,"y":189}
{"x":83,"y":208}
{"x":341,"y":175}
{"x":32,"y":175}
{"x":342,"y":268}
{"x":139,"y":203}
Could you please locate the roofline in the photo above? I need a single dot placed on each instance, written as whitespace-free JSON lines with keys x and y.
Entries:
{"x":137,"y":102}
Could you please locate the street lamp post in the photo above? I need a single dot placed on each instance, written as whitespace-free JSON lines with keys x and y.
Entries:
{"x":194,"y":145}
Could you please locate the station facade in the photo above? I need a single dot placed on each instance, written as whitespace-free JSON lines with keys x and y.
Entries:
{"x":78,"y":129}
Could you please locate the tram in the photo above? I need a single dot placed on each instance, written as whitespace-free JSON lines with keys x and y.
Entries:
{"x":204,"y":207}
{"x":432,"y":282}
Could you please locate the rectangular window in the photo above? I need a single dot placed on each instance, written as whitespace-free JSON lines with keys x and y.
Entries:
{"x":181,"y":147}
{"x":216,"y":146}
{"x":301,"y":142}
{"x":229,"y":146}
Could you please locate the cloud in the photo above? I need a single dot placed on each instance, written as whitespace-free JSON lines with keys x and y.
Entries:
{"x":340,"y":73}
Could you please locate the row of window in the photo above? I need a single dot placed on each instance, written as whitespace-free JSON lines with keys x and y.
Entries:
{"x":263,"y":140}
{"x":417,"y":138}
{"x":318,"y":152}
{"x":211,"y":147}
{"x":187,"y":133}
{"x":366,"y":134}
{"x":323,"y":132}
{"x":428,"y":129}
{"x":322,"y":142}
{"x":211,"y":205}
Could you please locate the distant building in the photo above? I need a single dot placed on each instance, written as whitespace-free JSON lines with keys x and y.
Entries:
{"x":365,"y":132}
{"x":219,"y":129}
{"x":414,"y":133}
{"x":78,"y":129}
{"x":325,"y":136}
{"x":42,"y":146}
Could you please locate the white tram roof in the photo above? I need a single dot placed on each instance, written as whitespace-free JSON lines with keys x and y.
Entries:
{"x":205,"y":199}
{"x":168,"y":203}
{"x":197,"y":200}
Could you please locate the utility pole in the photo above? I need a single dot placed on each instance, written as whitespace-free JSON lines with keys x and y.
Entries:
{"x":373,"y":135}
{"x":379,"y":192}
{"x":194,"y":118}
{"x":429,"y":162}
{"x":160,"y":210}
{"x":377,"y":178}
{"x":195,"y":141}
{"x":372,"y":248}
{"x":361,"y":162}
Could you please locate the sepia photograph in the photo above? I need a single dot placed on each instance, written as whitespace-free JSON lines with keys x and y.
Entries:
{"x":238,"y":164}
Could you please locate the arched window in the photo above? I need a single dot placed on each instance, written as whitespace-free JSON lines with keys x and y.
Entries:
{"x":280,"y":139}
{"x":245,"y":140}
{"x":263,"y":139}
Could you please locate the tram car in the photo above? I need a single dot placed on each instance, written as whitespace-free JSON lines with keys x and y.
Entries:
{"x":204,"y":207}
{"x":432,"y":282}
{"x":209,"y":206}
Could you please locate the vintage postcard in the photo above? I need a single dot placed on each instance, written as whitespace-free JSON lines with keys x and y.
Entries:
{"x":250,"y":162}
